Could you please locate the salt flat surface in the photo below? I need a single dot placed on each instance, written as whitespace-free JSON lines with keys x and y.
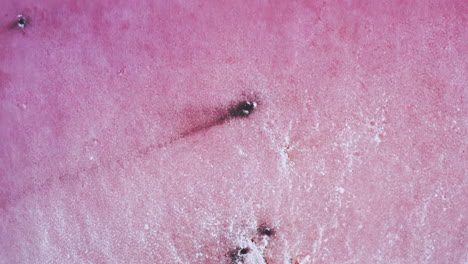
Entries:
{"x":116,"y":148}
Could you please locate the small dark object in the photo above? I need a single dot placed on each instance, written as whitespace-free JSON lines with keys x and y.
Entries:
{"x":265,"y":230}
{"x":237,"y":254}
{"x":22,"y":21}
{"x":243,"y":109}
{"x":201,"y":121}
{"x":244,"y":251}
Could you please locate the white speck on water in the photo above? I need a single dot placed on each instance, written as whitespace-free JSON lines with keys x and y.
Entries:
{"x":340,"y":189}
{"x":377,"y":138}
{"x":284,"y":160}
{"x":241,"y":152}
{"x":91,"y":157}
{"x":284,"y":154}
{"x":146,"y":226}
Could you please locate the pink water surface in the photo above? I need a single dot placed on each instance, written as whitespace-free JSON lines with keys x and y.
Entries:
{"x":112,"y":149}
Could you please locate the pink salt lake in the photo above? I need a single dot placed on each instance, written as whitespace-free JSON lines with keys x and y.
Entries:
{"x":114,"y":149}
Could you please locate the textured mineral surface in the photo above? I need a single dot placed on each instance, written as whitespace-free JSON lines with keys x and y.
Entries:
{"x":229,"y":132}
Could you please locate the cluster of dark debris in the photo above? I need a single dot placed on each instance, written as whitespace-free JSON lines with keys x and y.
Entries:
{"x":238,"y":255}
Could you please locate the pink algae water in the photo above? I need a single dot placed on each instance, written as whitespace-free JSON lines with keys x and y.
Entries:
{"x":116,"y":144}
